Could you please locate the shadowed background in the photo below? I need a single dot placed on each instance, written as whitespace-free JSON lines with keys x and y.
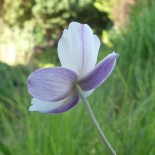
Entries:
{"x":124,"y":105}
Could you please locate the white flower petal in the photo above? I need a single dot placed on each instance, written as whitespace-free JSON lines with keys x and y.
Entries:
{"x":97,"y":44}
{"x":55,"y":107}
{"x":78,"y":49}
{"x":43,"y":106}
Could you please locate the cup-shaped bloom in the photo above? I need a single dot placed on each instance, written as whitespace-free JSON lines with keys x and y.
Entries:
{"x":53,"y":89}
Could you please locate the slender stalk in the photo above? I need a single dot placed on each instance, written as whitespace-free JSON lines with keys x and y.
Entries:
{"x":86,"y":103}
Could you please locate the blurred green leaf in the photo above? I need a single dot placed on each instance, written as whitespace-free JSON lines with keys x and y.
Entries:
{"x":4,"y":149}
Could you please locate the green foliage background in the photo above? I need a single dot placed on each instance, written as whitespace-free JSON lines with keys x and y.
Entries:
{"x":47,"y":18}
{"x":124,"y":105}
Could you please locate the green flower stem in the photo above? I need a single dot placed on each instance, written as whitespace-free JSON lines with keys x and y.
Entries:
{"x":86,"y":103}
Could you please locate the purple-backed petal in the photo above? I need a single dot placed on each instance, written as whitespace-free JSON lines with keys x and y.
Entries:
{"x":78,"y":49}
{"x":51,"y":84}
{"x":100,"y":73}
{"x":54,"y":107}
{"x":68,"y":104}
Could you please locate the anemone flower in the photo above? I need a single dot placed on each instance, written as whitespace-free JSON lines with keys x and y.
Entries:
{"x":59,"y":89}
{"x":53,"y":89}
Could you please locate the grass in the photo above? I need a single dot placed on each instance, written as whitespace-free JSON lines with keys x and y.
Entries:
{"x":124,"y":105}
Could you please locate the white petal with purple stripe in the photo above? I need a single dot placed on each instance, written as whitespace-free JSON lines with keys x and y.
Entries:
{"x":78,"y":49}
{"x":100,"y":73}
{"x":55,"y":107}
{"x":51,"y":84}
